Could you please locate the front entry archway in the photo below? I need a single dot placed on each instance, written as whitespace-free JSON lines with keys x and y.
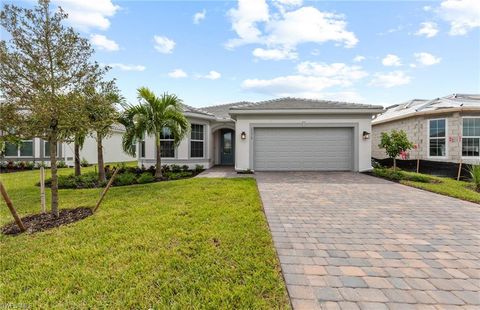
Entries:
{"x":227,"y":147}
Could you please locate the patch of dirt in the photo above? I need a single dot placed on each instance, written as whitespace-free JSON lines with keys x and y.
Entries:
{"x":45,"y":221}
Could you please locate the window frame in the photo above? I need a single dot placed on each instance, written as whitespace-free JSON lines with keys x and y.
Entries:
{"x":196,"y":140}
{"x":141,"y":148}
{"x":436,"y":138}
{"x":19,"y":150}
{"x":168,"y":140}
{"x":463,"y":137}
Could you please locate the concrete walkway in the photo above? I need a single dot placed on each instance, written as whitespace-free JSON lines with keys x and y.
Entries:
{"x":350,"y":241}
{"x":222,"y":172}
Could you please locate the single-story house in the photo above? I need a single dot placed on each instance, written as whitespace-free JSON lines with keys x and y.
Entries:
{"x":443,"y":129}
{"x":274,"y":135}
{"x":37,"y":150}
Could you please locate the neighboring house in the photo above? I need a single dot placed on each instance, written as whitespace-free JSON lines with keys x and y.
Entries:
{"x":37,"y":150}
{"x":282,"y":134}
{"x":444,"y":129}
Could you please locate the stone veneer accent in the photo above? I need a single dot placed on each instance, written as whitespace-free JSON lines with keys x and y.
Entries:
{"x":417,"y":131}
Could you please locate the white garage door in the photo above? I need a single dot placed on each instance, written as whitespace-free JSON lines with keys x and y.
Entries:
{"x":308,"y":149}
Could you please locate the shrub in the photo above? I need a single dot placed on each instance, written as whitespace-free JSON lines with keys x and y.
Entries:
{"x":178,"y":175}
{"x":475,"y":175}
{"x":417,"y":177}
{"x":86,"y":180}
{"x":21,"y":165}
{"x":126,"y":178}
{"x":84,"y":163}
{"x":185,"y":168}
{"x":61,"y":164}
{"x":198,"y":168}
{"x":145,"y":177}
{"x":398,"y":175}
{"x":165,"y":168}
{"x":30,"y":165}
{"x":41,"y":164}
{"x":175,"y":168}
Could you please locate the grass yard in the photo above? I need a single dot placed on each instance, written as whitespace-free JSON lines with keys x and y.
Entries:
{"x":445,"y":186}
{"x":195,"y":243}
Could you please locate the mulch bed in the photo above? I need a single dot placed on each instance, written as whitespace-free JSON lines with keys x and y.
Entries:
{"x":44,"y":221}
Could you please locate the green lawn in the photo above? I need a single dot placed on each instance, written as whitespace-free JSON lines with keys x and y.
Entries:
{"x":445,"y":186}
{"x":196,"y":243}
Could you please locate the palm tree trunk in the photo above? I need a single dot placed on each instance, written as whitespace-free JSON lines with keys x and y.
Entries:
{"x":158,"y":167}
{"x":77,"y":159}
{"x":53,"y":168}
{"x":101,"y":165}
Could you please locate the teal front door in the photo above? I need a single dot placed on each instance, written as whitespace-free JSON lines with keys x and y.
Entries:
{"x":227,"y":147}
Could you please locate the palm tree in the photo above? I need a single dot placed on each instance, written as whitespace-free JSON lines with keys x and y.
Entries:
{"x":149,"y":117}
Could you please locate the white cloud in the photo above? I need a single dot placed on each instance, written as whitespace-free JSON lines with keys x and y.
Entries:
{"x":124,"y":67}
{"x":463,"y":15}
{"x":310,"y":81}
{"x":290,"y":2}
{"x":177,"y":74}
{"x":427,"y":8}
{"x":104,"y":43}
{"x":359,"y":58}
{"x":391,"y":60}
{"x":287,"y":29}
{"x":89,"y":14}
{"x":212,"y":75}
{"x":244,"y":21}
{"x":199,"y":16}
{"x":391,"y":79}
{"x":427,"y":29}
{"x":274,"y":54}
{"x":163,"y":44}
{"x":427,"y":59}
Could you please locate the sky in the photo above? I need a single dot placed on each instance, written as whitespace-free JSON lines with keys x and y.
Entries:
{"x":216,"y":52}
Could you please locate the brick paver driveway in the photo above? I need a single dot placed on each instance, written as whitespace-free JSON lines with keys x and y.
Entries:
{"x":350,"y":241}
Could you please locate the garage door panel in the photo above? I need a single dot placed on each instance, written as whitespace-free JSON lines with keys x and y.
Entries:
{"x":303,"y":148}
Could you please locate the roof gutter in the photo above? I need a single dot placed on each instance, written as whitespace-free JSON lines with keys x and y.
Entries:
{"x":431,"y":112}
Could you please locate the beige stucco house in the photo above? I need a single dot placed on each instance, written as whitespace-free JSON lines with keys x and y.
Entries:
{"x":443,"y":129}
{"x":273,"y":135}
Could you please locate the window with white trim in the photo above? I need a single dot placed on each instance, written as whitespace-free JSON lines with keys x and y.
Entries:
{"x":471,"y":137}
{"x":196,"y":141}
{"x":25,"y":149}
{"x":437,"y":138}
{"x":142,"y":148}
{"x":167,"y":143}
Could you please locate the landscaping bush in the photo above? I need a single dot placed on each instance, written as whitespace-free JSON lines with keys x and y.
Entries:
{"x":126,"y":178}
{"x":178,"y":175}
{"x":398,"y":175}
{"x":84,"y":163}
{"x":145,"y":177}
{"x":86,"y":180}
{"x":175,"y":168}
{"x":165,"y":168}
{"x":185,"y":168}
{"x":61,"y":164}
{"x":475,"y":174}
{"x":198,"y":168}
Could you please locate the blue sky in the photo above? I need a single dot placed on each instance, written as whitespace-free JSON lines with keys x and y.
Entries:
{"x":214,"y":52}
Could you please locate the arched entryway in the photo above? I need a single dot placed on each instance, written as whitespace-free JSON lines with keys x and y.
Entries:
{"x":224,"y":145}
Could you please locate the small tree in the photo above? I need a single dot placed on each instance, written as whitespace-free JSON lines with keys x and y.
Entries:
{"x":150,"y":117}
{"x":395,"y":143}
{"x":101,"y":109}
{"x":44,"y":68}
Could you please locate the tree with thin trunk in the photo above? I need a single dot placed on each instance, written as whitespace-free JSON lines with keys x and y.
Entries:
{"x":44,"y":69}
{"x":152,"y":116}
{"x":78,"y":142}
{"x":394,"y":144}
{"x":101,"y":102}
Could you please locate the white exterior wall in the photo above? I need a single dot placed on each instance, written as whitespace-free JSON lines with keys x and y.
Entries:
{"x":182,"y":152}
{"x":245,"y":123}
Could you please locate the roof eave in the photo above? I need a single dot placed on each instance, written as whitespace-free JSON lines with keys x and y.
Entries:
{"x":428,"y":112}
{"x":307,"y":111}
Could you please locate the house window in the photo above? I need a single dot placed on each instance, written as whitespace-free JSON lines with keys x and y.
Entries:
{"x":46,"y":149}
{"x":142,"y":149}
{"x":471,"y":137}
{"x":196,"y":141}
{"x":437,"y":138}
{"x":167,"y":143}
{"x":11,"y":150}
{"x":25,"y":149}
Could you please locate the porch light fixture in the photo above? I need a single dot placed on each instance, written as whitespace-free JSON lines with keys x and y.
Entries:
{"x":366,"y":135}
{"x":243,"y":135}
